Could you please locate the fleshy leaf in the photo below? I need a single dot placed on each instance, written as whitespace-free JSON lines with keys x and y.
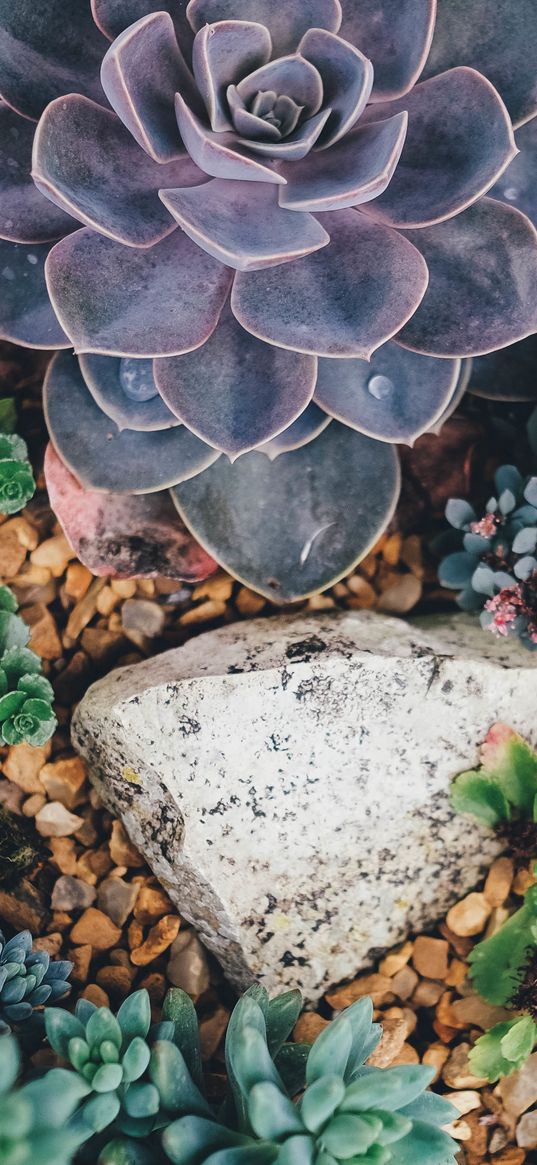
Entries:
{"x":347,"y":78}
{"x":337,"y":494}
{"x":355,"y":170}
{"x":518,"y":184}
{"x":114,"y":16}
{"x":396,"y":37}
{"x":459,"y":140}
{"x":26,"y":315}
{"x":141,"y":73}
{"x":120,"y":301}
{"x":503,"y":1049}
{"x":345,"y":300}
{"x":508,"y":374}
{"x":101,"y":457}
{"x":46,"y":51}
{"x":493,"y":36}
{"x":219,"y":154}
{"x":292,"y":75}
{"x":310,"y":424}
{"x":497,"y":964}
{"x":482,"y":292}
{"x":223,"y":54}
{"x":242,"y":225}
{"x":389,"y":398}
{"x":294,"y":147}
{"x":103,"y":378}
{"x":286,"y":23}
{"x":251,"y":390}
{"x":480,"y":795}
{"x":25,"y":217}
{"x":86,"y":162}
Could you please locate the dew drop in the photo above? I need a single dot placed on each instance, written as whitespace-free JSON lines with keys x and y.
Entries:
{"x":8,"y":273}
{"x":136,"y":379}
{"x":33,"y":260}
{"x":511,"y":192}
{"x":380,"y":386}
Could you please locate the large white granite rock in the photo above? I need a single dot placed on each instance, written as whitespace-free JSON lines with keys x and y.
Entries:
{"x":287,"y":780}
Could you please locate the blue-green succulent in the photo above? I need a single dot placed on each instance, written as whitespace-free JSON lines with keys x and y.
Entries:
{"x":38,"y":1123}
{"x":28,"y":979}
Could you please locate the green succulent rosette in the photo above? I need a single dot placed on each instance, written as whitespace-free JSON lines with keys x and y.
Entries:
{"x":26,"y":696}
{"x":17,"y":484}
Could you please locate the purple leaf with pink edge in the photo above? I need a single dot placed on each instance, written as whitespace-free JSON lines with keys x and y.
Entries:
{"x":347,"y":78}
{"x":251,"y":391}
{"x":111,"y":380}
{"x":497,"y":37}
{"x":223,"y":54}
{"x":395,"y":397}
{"x":114,"y":16}
{"x":292,"y":75}
{"x":25,"y":217}
{"x":124,"y":535}
{"x":286,"y":23}
{"x":310,"y":424}
{"x":352,"y":172}
{"x":395,"y":36}
{"x":297,"y":145}
{"x":518,"y":184}
{"x":507,"y":375}
{"x":482,"y":293}
{"x":141,"y":73}
{"x":26,"y":315}
{"x":459,"y":140}
{"x":86,"y":162}
{"x":242,"y":225}
{"x":121,"y":301}
{"x":345,"y":300}
{"x":219,"y":154}
{"x":293,"y":526}
{"x":102,"y":457}
{"x":46,"y":51}
{"x":455,"y":400}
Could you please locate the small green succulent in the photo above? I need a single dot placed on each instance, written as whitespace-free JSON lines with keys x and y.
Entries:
{"x":17,"y":483}
{"x":26,"y":695}
{"x":28,"y":979}
{"x":38,"y":1124}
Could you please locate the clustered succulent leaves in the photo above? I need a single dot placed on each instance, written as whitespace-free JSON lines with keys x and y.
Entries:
{"x":502,"y":794}
{"x":263,"y":229}
{"x":135,"y":1095}
{"x":26,"y":696}
{"x":17,"y":483}
{"x":493,"y":559}
{"x":28,"y":979}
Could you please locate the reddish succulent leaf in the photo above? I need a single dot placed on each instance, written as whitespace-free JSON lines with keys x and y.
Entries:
{"x":251,"y":391}
{"x":347,"y":78}
{"x":86,"y":162}
{"x":286,"y":23}
{"x":482,"y":292}
{"x":396,"y":37}
{"x":106,"y":376}
{"x":242,"y":225}
{"x":25,"y":217}
{"x":121,"y":301}
{"x":124,"y":536}
{"x":310,"y":424}
{"x":497,"y":37}
{"x":459,"y":140}
{"x":345,"y":300}
{"x":223,"y":54}
{"x":26,"y":315}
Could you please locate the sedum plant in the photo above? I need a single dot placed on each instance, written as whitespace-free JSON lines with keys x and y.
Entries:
{"x":26,"y":696}
{"x":17,"y":483}
{"x":263,"y":229}
{"x":28,"y":979}
{"x":493,"y":559}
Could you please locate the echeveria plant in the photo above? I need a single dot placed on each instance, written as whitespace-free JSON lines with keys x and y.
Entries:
{"x":28,"y":979}
{"x":285,"y":249}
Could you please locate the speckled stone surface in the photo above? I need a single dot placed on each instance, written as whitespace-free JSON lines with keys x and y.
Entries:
{"x":287,"y":780}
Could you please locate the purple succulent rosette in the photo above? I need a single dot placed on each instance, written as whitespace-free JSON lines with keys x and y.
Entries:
{"x":286,"y":255}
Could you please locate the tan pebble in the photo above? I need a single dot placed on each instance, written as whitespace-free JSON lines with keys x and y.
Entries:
{"x":460,"y":1130}
{"x":427,"y":993}
{"x":412,"y":555}
{"x":393,"y":1037}
{"x":476,"y":1146}
{"x":379,"y":987}
{"x":218,"y":586}
{"x":26,"y":533}
{"x":188,"y":967}
{"x":77,"y":580}
{"x":522,"y":882}
{"x":404,"y":983}
{"x":101,"y":862}
{"x":499,"y":915}
{"x":124,"y":587}
{"x":407,"y":1055}
{"x":31,"y":576}
{"x":408,"y":1016}
{"x":444,"y":1031}
{"x":12,"y":552}
{"x":362,"y":590}
{"x":33,"y":804}
{"x":54,"y":554}
{"x":44,"y":638}
{"x":396,"y":960}
{"x":160,"y":937}
{"x":107,"y":600}
{"x":23,"y":765}
{"x":151,"y":904}
{"x":81,"y":959}
{"x":155,"y":985}
{"x":135,"y":935}
{"x":519,"y":1091}
{"x":63,"y":854}
{"x":401,"y":596}
{"x":84,"y":868}
{"x":510,"y":1157}
{"x":114,"y":980}
{"x":469,"y":916}
{"x":526,"y":1133}
{"x":122,"y":851}
{"x":456,"y":974}
{"x":51,"y":943}
{"x":87,"y":834}
{"x":213,"y":1029}
{"x":83,"y":612}
{"x":60,"y":921}
{"x":430,"y":957}
{"x":320,"y":603}
{"x":96,"y":995}
{"x":456,"y":1073}
{"x":308,"y":1027}
{"x":248,"y":603}
{"x":498,"y":883}
{"x":54,"y":820}
{"x":205,"y":613}
{"x":435,"y":1056}
{"x":391,"y":551}
{"x":96,"y":928}
{"x":445,"y":1013}
{"x":146,"y":588}
{"x":464,"y":1101}
{"x":461,"y":946}
{"x":64,"y":781}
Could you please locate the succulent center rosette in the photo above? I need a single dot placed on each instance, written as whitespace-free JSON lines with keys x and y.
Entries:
{"x":285,"y":258}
